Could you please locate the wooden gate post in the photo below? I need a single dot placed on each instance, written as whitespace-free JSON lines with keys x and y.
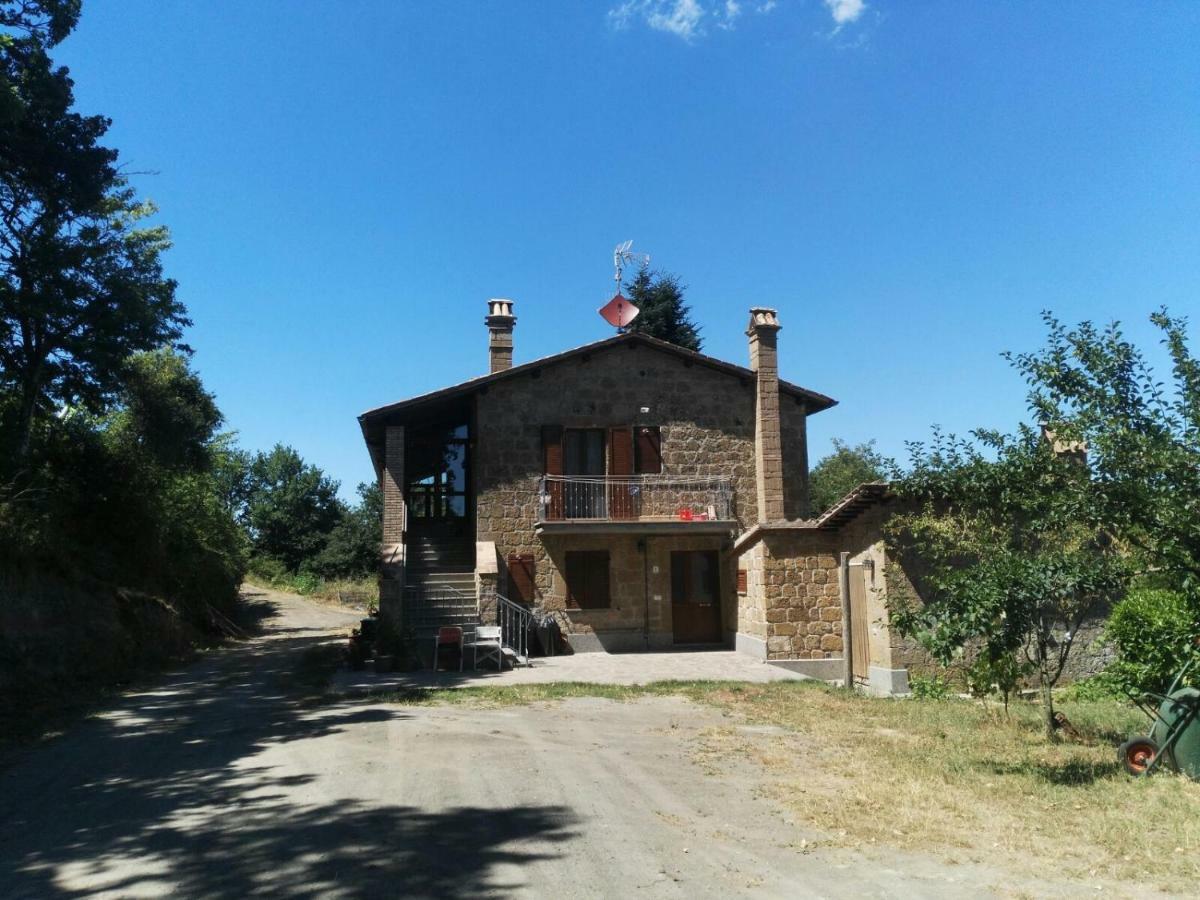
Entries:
{"x":847,"y":635}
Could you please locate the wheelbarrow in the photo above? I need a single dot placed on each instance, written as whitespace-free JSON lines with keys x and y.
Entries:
{"x":1174,"y":738}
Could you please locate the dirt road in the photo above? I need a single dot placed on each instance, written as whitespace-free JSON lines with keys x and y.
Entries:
{"x":219,"y":783}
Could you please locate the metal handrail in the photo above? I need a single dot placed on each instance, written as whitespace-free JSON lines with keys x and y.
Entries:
{"x":635,"y":497}
{"x":514,"y":621}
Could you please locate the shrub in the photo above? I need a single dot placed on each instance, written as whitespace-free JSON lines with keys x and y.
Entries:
{"x":929,"y":687}
{"x":1154,"y":631}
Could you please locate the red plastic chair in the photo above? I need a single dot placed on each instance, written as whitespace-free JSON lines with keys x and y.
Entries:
{"x":448,"y":636}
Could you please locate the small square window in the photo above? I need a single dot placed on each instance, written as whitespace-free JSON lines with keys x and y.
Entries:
{"x":587,"y":579}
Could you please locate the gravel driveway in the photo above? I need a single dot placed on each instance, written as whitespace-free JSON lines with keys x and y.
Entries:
{"x":219,"y":783}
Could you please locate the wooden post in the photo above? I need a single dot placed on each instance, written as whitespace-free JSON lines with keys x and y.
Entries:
{"x":847,"y":638}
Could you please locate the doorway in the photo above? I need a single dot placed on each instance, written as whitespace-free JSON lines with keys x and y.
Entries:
{"x":860,"y":634}
{"x":583,"y":466}
{"x":696,"y":596}
{"x":437,"y":495}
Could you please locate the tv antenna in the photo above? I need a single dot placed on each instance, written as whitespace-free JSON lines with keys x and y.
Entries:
{"x":619,"y":312}
{"x":623,"y":255}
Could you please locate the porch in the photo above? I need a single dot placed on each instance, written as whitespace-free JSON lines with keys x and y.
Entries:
{"x":584,"y":668}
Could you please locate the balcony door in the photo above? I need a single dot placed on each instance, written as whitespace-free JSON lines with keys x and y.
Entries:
{"x":583,"y":466}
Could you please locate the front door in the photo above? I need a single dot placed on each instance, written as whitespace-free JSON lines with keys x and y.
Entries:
{"x":696,"y":596}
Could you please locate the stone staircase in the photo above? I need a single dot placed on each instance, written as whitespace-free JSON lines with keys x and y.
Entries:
{"x":439,"y":589}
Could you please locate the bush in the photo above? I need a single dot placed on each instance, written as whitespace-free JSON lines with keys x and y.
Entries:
{"x":1154,"y":632}
{"x":929,"y":687}
{"x":1095,"y":689}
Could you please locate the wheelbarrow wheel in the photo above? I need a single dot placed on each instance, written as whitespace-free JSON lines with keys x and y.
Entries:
{"x":1136,"y":754}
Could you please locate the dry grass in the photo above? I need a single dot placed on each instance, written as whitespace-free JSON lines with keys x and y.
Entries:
{"x":959,"y":777}
{"x":953,"y":777}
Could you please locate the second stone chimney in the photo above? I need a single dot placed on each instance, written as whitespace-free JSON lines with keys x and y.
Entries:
{"x":500,"y":321}
{"x":768,"y":445}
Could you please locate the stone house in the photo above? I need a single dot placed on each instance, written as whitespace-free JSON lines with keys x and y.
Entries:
{"x":643,"y":495}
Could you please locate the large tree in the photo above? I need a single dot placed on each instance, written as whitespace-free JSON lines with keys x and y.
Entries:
{"x":81,"y":280}
{"x":998,"y":532}
{"x":1142,"y":434}
{"x":842,"y":471}
{"x":291,"y":508}
{"x":664,"y":315}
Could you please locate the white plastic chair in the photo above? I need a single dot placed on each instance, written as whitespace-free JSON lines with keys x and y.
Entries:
{"x":487,"y":639}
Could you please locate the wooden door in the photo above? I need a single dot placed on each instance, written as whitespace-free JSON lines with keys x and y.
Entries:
{"x":696,"y":596}
{"x":860,"y":633}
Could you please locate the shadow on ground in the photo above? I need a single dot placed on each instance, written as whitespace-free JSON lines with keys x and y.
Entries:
{"x":162,"y":794}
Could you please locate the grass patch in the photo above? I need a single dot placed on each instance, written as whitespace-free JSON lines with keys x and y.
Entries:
{"x":959,"y":776}
{"x":524,"y":694}
{"x":954,"y":777}
{"x":329,"y":591}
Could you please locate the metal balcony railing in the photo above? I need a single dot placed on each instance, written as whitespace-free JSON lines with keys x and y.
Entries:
{"x":653,"y":498}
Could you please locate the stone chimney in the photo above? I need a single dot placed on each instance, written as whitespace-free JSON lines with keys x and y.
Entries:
{"x":500,"y":321}
{"x":768,"y":447}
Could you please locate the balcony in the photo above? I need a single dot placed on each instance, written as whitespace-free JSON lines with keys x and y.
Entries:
{"x":643,"y":503}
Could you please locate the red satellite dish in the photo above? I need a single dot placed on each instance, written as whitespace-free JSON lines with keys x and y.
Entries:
{"x":618,"y":312}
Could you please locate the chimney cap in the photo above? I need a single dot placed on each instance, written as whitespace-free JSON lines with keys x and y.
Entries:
{"x":500,"y":308}
{"x":762,"y":317}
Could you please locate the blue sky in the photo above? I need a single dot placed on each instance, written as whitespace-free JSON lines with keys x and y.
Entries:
{"x":909,"y":184}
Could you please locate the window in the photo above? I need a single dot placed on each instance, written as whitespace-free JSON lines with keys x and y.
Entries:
{"x":583,"y":452}
{"x":587,"y":579}
{"x":521,"y":578}
{"x":647,"y":450}
{"x":695,"y":577}
{"x":741,"y":581}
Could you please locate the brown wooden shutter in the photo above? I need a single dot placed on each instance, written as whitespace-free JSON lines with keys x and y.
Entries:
{"x":741,"y":581}
{"x":521,"y":580}
{"x":648,"y":452}
{"x":588,"y":579}
{"x":552,"y":459}
{"x":620,"y":463}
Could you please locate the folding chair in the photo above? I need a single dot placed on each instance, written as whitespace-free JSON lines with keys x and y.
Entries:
{"x":448,"y":636}
{"x":487,"y":639}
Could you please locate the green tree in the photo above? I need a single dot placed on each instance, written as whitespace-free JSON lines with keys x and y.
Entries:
{"x":166,"y":410}
{"x":353,"y":546}
{"x":291,"y":507}
{"x":842,"y":471}
{"x":998,"y":535}
{"x":1142,"y":436}
{"x":664,"y":315}
{"x":81,"y":280}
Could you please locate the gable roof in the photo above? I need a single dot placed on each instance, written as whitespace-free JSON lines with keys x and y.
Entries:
{"x":814,"y":402}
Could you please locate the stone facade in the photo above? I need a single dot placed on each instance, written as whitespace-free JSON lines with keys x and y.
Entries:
{"x":793,"y":579}
{"x":707,"y":424}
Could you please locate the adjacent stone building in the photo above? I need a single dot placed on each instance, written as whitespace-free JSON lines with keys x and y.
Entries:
{"x":643,"y":495}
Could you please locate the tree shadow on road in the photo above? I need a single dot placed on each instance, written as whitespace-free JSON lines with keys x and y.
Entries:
{"x":163,"y":793}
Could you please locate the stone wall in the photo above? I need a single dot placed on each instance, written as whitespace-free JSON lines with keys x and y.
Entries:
{"x":752,"y":605}
{"x":706,"y":420}
{"x":803,"y":599}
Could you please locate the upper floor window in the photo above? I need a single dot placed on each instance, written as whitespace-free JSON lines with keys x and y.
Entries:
{"x":647,"y":450}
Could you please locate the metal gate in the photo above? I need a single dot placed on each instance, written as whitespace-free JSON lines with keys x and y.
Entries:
{"x":860,"y":634}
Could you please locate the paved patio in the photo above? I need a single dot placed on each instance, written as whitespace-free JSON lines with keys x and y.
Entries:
{"x":590,"y":668}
